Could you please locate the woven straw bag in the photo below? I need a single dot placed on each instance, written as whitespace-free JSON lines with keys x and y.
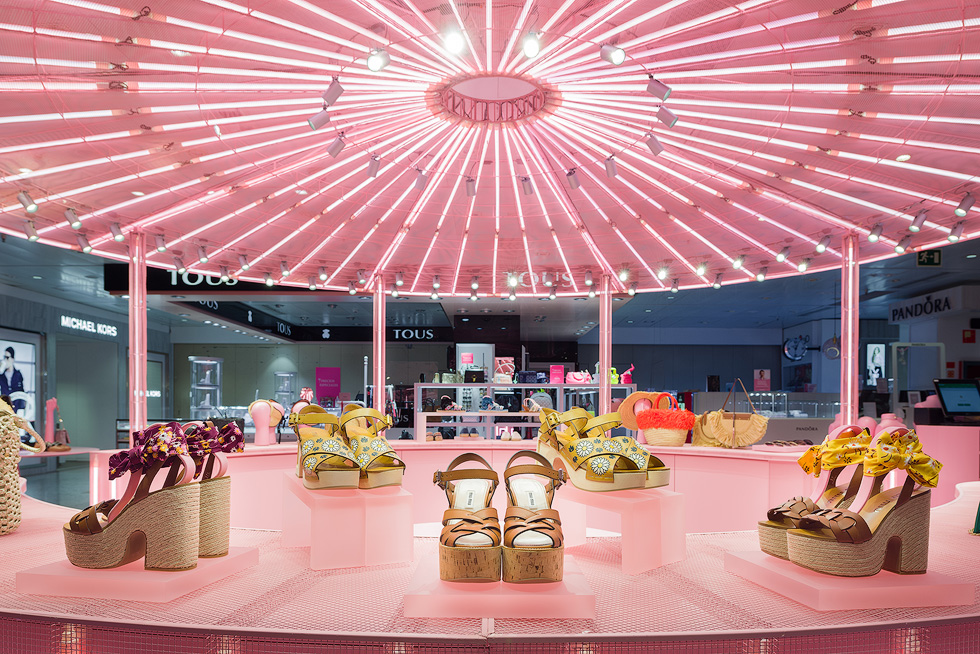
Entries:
{"x":10,"y":426}
{"x":658,"y":417}
{"x":727,"y":429}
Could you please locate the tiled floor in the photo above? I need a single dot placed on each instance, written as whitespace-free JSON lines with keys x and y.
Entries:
{"x":67,"y":485}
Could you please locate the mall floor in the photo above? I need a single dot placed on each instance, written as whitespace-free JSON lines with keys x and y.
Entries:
{"x":67,"y":484}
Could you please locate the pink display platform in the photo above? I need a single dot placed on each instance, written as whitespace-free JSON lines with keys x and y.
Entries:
{"x":74,"y":451}
{"x":651,"y":522}
{"x":347,"y":527}
{"x":131,"y":581}
{"x":885,"y":590}
{"x":958,"y":448}
{"x":430,"y":597}
{"x":23,"y":484}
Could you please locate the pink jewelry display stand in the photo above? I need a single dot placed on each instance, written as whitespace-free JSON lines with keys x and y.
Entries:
{"x":430,"y":597}
{"x":885,"y":590}
{"x":347,"y":527}
{"x":651,"y":522}
{"x":131,"y":582}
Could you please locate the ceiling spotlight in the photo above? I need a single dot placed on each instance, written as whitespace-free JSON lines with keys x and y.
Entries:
{"x":965,"y":204}
{"x":399,"y":279}
{"x":592,"y":291}
{"x":338,"y":144}
{"x":783,"y":254}
{"x":333,"y":92}
{"x":224,"y":274}
{"x":662,"y":272}
{"x":202,"y":256}
{"x":30,"y":206}
{"x":903,"y":245}
{"x":654,"y":144}
{"x":737,"y":263}
{"x":378,"y":60}
{"x":268,"y":279}
{"x":394,"y":292}
{"x":572,"y":178}
{"x":475,"y":282}
{"x":30,"y":231}
{"x":434,"y":295}
{"x":875,"y":233}
{"x":613,"y":54}
{"x":526,"y":184}
{"x":658,"y":89}
{"x":373,"y":164}
{"x":351,"y":289}
{"x":83,"y":243}
{"x":717,"y":283}
{"x":473,"y":297}
{"x":701,"y":269}
{"x":666,"y":116}
{"x":178,"y":264}
{"x":803,"y":265}
{"x":361,"y":277}
{"x":283,"y":269}
{"x":588,"y":278}
{"x":918,"y":221}
{"x":243,"y":262}
{"x":311,"y":283}
{"x":823,"y":244}
{"x":552,"y":294}
{"x":610,"y":166}
{"x":161,"y":243}
{"x":322,"y":274}
{"x":454,"y":42}
{"x":624,"y":274}
{"x":512,"y":296}
{"x":435,"y":282}
{"x":761,"y":275}
{"x":531,"y":46}
{"x":674,"y":287}
{"x":902,"y":158}
{"x":956,"y":233}
{"x":319,"y":120}
{"x":470,"y":187}
{"x":420,"y":179}
{"x":511,"y":280}
{"x":72,"y":219}
{"x":632,"y":289}
{"x":117,"y":234}
{"x":546,"y":279}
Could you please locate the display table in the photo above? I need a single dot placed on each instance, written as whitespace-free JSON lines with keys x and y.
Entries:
{"x":958,"y":449}
{"x":35,"y":463}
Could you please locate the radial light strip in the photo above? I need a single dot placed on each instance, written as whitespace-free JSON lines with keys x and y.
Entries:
{"x":485,"y":138}
{"x":518,"y":204}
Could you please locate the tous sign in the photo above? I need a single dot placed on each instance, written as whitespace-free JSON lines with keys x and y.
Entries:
{"x":194,"y":279}
{"x":414,"y":334}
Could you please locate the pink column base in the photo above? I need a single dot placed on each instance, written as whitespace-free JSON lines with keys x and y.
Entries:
{"x":131,"y":582}
{"x":885,"y":590}
{"x":430,"y":597}
{"x":651,"y":522}
{"x":349,"y":527}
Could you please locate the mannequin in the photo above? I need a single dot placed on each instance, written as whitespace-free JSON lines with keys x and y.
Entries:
{"x":266,"y":414}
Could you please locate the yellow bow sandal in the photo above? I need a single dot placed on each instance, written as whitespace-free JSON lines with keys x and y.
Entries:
{"x":323,"y":459}
{"x":890,"y":530}
{"x":469,"y":545}
{"x":533,"y":547}
{"x":847,"y":447}
{"x":363,"y":429}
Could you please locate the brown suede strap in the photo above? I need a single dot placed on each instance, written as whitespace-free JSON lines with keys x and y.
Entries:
{"x":444,"y":478}
{"x":518,"y":520}
{"x":846,"y":526}
{"x":466,"y":523}
{"x":87,"y":521}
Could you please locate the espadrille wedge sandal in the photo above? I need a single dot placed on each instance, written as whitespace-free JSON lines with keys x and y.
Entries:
{"x":843,"y":447}
{"x":323,"y":459}
{"x":163,"y":526}
{"x":363,"y":431}
{"x":469,"y":545}
{"x":533,"y":549}
{"x":890,"y":530}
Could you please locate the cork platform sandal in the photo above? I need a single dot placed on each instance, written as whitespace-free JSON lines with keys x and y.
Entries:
{"x":593,"y":463}
{"x":163,"y":525}
{"x":469,"y":545}
{"x":657,"y":474}
{"x":533,"y":549}
{"x":890,"y":530}
{"x":843,"y":447}
{"x":363,"y":431}
{"x":323,"y":459}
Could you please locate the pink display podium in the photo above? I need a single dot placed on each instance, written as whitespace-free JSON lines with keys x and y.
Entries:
{"x":430,"y":597}
{"x":651,"y":522}
{"x":23,"y":485}
{"x":820,"y":592}
{"x":131,"y":582}
{"x":347,"y":527}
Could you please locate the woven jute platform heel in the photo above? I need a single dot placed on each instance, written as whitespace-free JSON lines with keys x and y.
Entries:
{"x":469,"y":545}
{"x":843,"y":447}
{"x":533,"y":549}
{"x":162,"y":525}
{"x":890,"y":530}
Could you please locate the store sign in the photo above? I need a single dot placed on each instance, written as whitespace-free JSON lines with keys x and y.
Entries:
{"x":73,"y":323}
{"x":327,"y":382}
{"x":154,"y":394}
{"x":160,"y":281}
{"x":926,"y":306}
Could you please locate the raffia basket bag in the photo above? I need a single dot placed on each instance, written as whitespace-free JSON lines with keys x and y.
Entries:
{"x":10,"y":426}
{"x":665,"y":426}
{"x":729,"y":429}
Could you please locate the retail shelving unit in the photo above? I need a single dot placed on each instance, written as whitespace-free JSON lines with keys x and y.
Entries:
{"x":205,"y":386}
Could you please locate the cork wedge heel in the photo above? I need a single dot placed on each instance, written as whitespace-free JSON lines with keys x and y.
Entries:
{"x":469,"y":545}
{"x":533,"y":548}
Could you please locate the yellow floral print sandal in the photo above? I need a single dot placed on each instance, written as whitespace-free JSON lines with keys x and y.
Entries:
{"x":323,"y":459}
{"x":363,"y":430}
{"x":657,"y":474}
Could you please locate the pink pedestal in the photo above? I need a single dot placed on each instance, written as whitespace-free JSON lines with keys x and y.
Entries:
{"x":651,"y":522}
{"x":347,"y":528}
{"x":131,"y":582}
{"x":885,"y":590}
{"x":23,"y":485}
{"x":958,"y":448}
{"x":430,"y":597}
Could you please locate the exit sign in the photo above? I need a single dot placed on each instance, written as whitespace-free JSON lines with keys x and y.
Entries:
{"x":929,"y":258}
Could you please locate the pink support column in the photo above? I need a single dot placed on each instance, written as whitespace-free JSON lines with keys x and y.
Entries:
{"x":849,"y":326}
{"x":605,"y":343}
{"x":137,"y":332}
{"x":380,"y":342}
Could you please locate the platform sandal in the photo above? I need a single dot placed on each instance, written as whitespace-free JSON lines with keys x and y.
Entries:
{"x":657,"y":474}
{"x":469,"y":545}
{"x":533,"y":548}
{"x":843,"y":447}
{"x":592,"y":463}
{"x":163,"y":526}
{"x":889,"y":530}
{"x":363,"y":431}
{"x":323,"y":459}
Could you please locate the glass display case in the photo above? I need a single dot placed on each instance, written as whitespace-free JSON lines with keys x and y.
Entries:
{"x":285,"y":388}
{"x":205,"y":386}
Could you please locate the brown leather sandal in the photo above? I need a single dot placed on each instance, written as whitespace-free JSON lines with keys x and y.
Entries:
{"x":533,"y":548}
{"x":469,"y":546}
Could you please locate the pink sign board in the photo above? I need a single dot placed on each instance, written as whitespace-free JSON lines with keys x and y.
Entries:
{"x":466,"y":357}
{"x":327,"y":382}
{"x":761,"y":379}
{"x":557,"y":374}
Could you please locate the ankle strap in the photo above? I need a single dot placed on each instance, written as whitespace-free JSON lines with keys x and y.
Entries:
{"x":442,"y":477}
{"x":543,"y":468}
{"x":318,"y":417}
{"x":601,"y":424}
{"x":375,"y":415}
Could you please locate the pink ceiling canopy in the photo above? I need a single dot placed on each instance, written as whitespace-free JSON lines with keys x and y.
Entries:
{"x":796,"y":122}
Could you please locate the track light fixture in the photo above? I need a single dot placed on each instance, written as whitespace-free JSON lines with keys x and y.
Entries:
{"x":435,"y":282}
{"x":823,"y":244}
{"x":394,"y":292}
{"x":613,"y":54}
{"x":225,"y":275}
{"x":338,"y":144}
{"x":662,"y":273}
{"x":610,"y":164}
{"x":654,"y":144}
{"x":351,"y":289}
{"x":334,"y":91}
{"x":420,"y":179}
{"x":117,"y":234}
{"x":588,"y":278}
{"x":283,"y":269}
{"x":72,"y":217}
{"x":243,"y":262}
{"x":473,"y":296}
{"x":470,"y":187}
{"x":373,"y":165}
{"x":875,"y":233}
{"x":526,"y":185}
{"x":803,"y":265}
{"x":322,"y":274}
{"x":624,"y":274}
{"x":202,"y":256}
{"x":572,"y":178}
{"x":161,"y":243}
{"x":737,"y":263}
{"x":311,"y":283}
{"x":592,"y":291}
{"x":268,"y":279}
{"x":475,"y":282}
{"x":378,"y":60}
{"x":30,"y":206}
{"x":783,"y":254}
{"x":511,"y":280}
{"x":434,"y":295}
{"x":546,"y":279}
{"x":674,"y":287}
{"x":513,"y":296}
{"x":658,"y":89}
{"x":632,"y":289}
{"x":552,"y":294}
{"x":399,"y":279}
{"x":666,"y":116}
{"x":965,"y":205}
{"x":903,"y":245}
{"x":361,"y":277}
{"x":717,"y":283}
{"x":319,"y":119}
{"x":918,"y":221}
{"x":30,"y":231}
{"x":531,"y":45}
{"x":761,"y":275}
{"x":179,"y":265}
{"x":956,"y":233}
{"x":701,"y":269}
